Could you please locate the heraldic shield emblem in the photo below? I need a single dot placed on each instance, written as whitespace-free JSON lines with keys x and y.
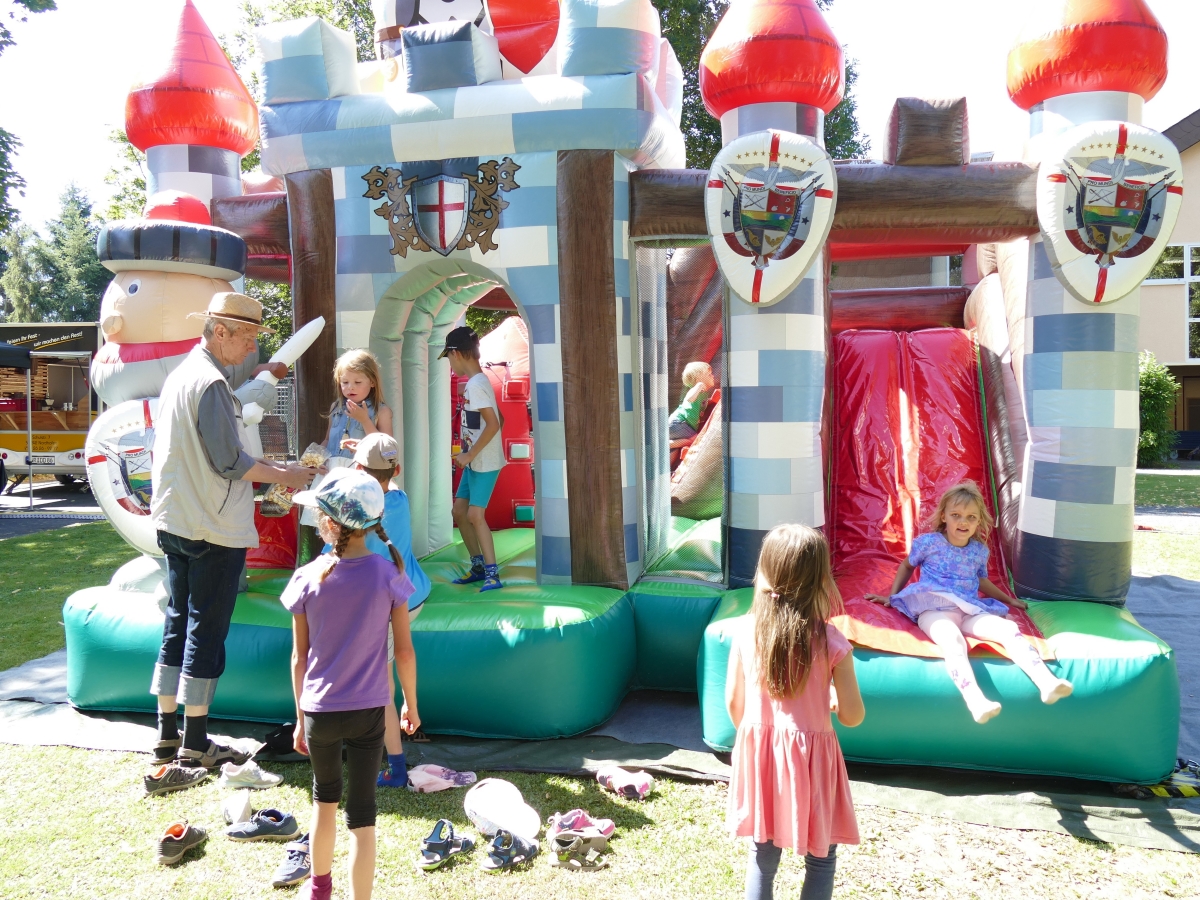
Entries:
{"x":1107,"y":206}
{"x":441,"y":204}
{"x":769,"y":203}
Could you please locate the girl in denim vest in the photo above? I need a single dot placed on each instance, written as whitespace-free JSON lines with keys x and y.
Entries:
{"x":361,"y":410}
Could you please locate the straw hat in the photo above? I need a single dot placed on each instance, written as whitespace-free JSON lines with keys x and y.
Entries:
{"x":230,"y":306}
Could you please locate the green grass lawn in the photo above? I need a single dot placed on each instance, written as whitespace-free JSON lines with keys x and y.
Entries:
{"x":87,"y":832}
{"x":39,"y":572}
{"x":1167,"y":490}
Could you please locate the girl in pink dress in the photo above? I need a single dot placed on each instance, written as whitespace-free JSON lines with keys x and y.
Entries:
{"x":789,"y":786}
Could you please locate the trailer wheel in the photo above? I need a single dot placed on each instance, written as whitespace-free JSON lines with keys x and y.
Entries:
{"x":65,"y":480}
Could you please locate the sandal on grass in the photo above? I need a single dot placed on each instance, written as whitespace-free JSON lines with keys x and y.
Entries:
{"x":441,"y":845}
{"x":509,"y":850}
{"x":579,"y":849}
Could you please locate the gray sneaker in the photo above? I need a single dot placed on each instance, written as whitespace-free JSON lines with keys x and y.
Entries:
{"x":178,"y":839}
{"x":213,"y":758}
{"x":171,"y":777}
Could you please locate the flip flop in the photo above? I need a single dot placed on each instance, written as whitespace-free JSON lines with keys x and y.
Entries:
{"x":508,"y":850}
{"x":441,"y":844}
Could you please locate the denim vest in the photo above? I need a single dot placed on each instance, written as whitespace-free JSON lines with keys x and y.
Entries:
{"x":341,"y":425}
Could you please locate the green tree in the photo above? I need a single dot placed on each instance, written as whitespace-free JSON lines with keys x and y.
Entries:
{"x":688,"y":24}
{"x":21,"y":282}
{"x":10,"y":181}
{"x":277,"y":313}
{"x":128,"y":179}
{"x":66,"y":263}
{"x":1157,"y":389}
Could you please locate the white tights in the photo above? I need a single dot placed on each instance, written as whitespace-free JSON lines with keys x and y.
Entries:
{"x":946,"y":629}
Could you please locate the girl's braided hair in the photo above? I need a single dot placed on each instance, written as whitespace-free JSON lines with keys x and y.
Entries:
{"x":343,"y":541}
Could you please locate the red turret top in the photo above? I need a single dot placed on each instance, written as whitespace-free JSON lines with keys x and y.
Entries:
{"x":771,"y":51}
{"x":1089,"y":45}
{"x":199,"y":99}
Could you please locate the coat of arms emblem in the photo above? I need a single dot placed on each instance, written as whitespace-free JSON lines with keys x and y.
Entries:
{"x":1107,"y":207}
{"x":442,"y":212}
{"x":769,"y":204}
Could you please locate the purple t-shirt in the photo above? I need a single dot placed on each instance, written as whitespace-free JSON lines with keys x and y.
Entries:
{"x":349,"y":614}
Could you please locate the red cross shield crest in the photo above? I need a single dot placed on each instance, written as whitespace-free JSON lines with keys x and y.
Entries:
{"x":441,"y":210}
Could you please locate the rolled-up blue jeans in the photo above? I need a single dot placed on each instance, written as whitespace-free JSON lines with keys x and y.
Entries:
{"x":203,"y":582}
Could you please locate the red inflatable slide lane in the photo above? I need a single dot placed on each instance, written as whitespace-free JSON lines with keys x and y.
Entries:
{"x":907,"y":424}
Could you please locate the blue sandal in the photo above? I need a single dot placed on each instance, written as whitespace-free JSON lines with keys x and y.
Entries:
{"x":441,"y":845}
{"x":509,"y":850}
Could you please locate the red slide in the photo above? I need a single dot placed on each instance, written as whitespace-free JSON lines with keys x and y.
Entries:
{"x":907,"y":424}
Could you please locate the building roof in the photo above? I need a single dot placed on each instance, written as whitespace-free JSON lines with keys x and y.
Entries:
{"x":198,"y":99}
{"x":1185,"y":133}
{"x":1073,"y":46}
{"x":771,"y":51}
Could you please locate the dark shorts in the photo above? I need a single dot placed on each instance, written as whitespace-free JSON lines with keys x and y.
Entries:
{"x":361,"y":730}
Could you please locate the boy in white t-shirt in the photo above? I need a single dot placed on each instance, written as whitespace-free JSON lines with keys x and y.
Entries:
{"x":481,"y":460}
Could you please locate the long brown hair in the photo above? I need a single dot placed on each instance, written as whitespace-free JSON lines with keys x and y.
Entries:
{"x":963,"y":494}
{"x":365,"y":363}
{"x":794,"y":597}
{"x":344,"y":536}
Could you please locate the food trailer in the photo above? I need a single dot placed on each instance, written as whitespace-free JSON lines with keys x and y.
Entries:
{"x":51,"y":404}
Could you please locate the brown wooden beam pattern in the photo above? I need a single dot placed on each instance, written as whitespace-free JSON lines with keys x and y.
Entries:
{"x":975,"y":203}
{"x":591,"y":411}
{"x":314,"y":251}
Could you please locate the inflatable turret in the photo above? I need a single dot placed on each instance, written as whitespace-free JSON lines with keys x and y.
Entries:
{"x":770,"y":73}
{"x":1108,"y":192}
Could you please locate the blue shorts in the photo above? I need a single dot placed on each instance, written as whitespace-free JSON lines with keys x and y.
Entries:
{"x":476,"y":487}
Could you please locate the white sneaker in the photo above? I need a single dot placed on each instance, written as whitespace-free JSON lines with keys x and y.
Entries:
{"x":236,"y":808}
{"x":247,"y":775}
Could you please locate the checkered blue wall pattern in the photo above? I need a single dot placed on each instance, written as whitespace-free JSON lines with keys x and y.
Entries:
{"x":1080,"y":381}
{"x":776,"y":381}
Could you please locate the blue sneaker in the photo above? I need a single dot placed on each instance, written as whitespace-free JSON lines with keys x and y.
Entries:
{"x":296,"y":867}
{"x":265,"y":825}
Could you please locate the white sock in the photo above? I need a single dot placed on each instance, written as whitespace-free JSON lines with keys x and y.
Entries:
{"x":963,"y":676}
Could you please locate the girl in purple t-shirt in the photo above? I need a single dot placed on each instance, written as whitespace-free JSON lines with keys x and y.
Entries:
{"x":946,"y":605}
{"x":341,"y":606}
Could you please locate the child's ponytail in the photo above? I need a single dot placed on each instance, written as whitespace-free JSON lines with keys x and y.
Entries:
{"x":396,"y":557}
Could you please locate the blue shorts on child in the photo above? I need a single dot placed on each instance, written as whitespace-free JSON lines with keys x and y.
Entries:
{"x":476,"y":487}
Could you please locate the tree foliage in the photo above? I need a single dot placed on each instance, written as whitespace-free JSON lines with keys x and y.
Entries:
{"x":57,"y":278}
{"x":127,"y":178}
{"x":10,"y":181}
{"x":1157,"y":389}
{"x":688,"y":24}
{"x":277,"y":313}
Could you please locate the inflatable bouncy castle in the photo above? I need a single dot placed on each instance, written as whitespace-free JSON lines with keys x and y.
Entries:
{"x":528,"y":156}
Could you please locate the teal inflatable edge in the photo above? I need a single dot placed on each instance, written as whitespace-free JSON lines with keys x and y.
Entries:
{"x":1120,"y":725}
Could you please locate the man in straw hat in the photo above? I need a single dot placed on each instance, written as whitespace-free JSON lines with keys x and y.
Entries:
{"x":203,"y":508}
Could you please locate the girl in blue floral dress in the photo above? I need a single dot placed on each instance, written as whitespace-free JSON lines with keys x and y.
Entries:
{"x":946,"y":603}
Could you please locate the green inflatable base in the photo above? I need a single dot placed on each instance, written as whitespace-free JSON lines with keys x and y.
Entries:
{"x":532,"y":663}
{"x":1121,"y":724}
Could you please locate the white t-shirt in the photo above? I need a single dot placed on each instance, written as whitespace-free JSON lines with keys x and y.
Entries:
{"x":480,"y":396}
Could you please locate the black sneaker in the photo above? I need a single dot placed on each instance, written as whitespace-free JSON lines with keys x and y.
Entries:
{"x":171,"y":777}
{"x":178,"y":839}
{"x":213,"y":758}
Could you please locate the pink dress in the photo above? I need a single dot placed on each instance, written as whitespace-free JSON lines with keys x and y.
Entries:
{"x":789,"y":782}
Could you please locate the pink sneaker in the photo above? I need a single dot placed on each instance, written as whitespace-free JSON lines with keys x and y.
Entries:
{"x":631,"y":785}
{"x":578,"y":820}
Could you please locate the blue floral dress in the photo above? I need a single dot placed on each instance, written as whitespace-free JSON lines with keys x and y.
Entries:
{"x":949,"y":579}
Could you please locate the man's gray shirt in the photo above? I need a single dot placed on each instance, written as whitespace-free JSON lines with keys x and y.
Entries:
{"x":220,"y":434}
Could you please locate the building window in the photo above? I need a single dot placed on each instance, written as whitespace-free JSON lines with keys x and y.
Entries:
{"x":1180,"y":264}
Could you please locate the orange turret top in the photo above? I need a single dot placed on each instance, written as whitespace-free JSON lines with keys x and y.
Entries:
{"x":1088,"y":45}
{"x":771,"y":51}
{"x":199,"y":99}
